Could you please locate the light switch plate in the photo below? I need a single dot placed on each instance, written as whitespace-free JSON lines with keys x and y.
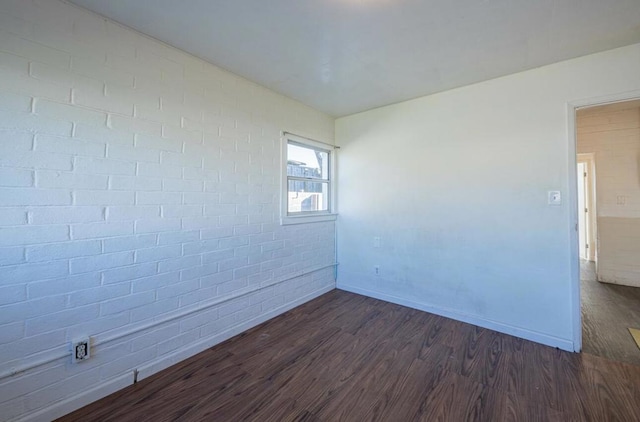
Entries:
{"x":555,"y":197}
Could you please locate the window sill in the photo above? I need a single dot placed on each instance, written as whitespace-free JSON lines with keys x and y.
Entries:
{"x":305,"y":219}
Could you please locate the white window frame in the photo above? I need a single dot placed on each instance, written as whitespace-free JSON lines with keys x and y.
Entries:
{"x":308,"y":216}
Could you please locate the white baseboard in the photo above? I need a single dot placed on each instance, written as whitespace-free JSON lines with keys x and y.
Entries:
{"x":64,"y":407}
{"x":535,"y":336}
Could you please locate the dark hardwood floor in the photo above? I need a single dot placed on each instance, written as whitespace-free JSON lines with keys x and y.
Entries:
{"x":348,"y":357}
{"x":608,"y":310}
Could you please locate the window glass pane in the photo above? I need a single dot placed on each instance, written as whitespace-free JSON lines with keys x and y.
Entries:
{"x":307,"y":162}
{"x":308,"y":196}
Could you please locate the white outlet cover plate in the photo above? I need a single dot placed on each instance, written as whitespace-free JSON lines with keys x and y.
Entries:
{"x":555,"y":197}
{"x":80,"y":350}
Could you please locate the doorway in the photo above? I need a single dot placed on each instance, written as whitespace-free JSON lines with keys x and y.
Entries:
{"x":608,"y":229}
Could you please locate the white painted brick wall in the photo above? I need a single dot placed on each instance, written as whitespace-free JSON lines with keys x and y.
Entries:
{"x":613,"y":134}
{"x":136,"y":182}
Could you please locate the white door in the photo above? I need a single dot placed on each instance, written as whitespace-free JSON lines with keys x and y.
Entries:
{"x":582,"y":212}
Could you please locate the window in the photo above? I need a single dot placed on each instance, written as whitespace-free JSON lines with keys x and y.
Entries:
{"x":308,"y":185}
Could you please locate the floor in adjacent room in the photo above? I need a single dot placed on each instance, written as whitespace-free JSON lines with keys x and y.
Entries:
{"x":348,"y":357}
{"x":608,"y":311}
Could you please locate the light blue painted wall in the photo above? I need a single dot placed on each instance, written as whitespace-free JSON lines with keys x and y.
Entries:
{"x":455,"y":185}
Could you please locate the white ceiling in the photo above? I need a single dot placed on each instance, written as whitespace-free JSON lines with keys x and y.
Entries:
{"x":347,"y":56}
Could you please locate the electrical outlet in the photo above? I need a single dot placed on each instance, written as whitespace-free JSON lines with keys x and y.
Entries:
{"x":377,"y":242}
{"x":376,"y":269}
{"x":554,"y":197}
{"x":80,"y":350}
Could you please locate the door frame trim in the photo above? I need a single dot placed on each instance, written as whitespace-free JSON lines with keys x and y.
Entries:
{"x":589,"y":160}
{"x":574,"y":255}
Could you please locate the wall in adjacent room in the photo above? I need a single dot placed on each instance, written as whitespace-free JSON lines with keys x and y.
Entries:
{"x":612,"y":134}
{"x":139,"y":205}
{"x":455,"y":186}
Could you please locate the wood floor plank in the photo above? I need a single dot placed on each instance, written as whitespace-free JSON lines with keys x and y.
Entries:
{"x":367,"y":396}
{"x":518,"y":409}
{"x":457,"y":398}
{"x":347,"y":357}
{"x":414,"y":384}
